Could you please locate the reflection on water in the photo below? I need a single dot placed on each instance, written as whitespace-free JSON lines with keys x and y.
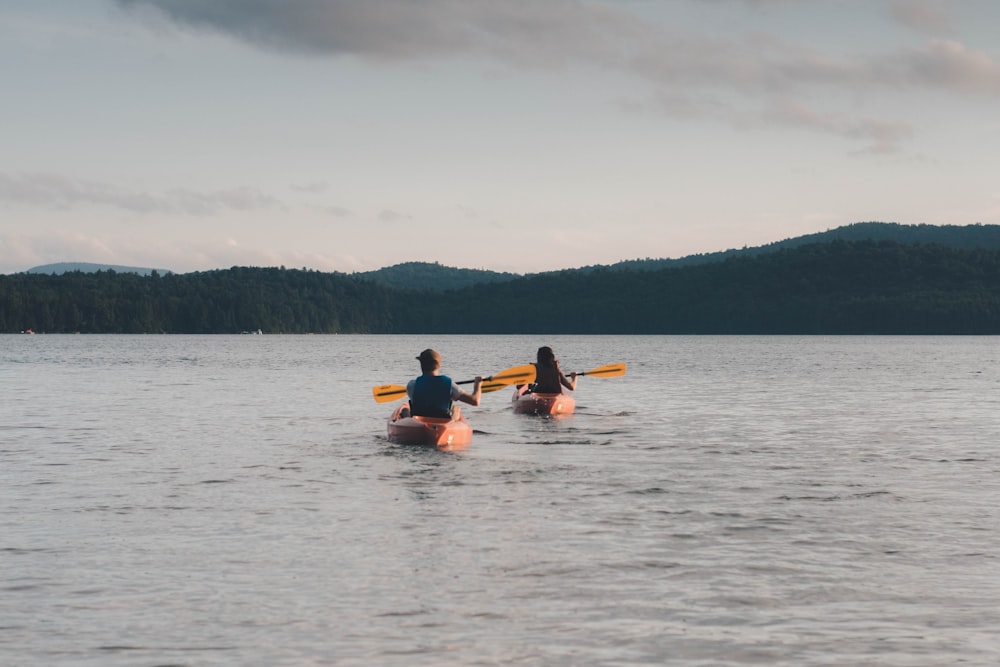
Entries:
{"x":731,"y":500}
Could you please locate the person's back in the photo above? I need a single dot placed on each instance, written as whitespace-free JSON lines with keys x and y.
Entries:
{"x":549,"y":378}
{"x":431,"y":396}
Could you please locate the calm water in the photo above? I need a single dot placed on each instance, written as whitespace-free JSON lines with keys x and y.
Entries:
{"x":232,"y":500}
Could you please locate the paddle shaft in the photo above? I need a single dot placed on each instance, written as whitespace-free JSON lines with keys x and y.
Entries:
{"x":516,"y":375}
{"x":606,"y":371}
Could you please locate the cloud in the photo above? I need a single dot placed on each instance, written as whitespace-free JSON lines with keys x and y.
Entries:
{"x":881,"y":137}
{"x":396,"y":29}
{"x":335,"y":211}
{"x":387,"y":215}
{"x":210,"y":203}
{"x":547,"y":32}
{"x":928,"y":16}
{"x":60,"y":192}
{"x":311,"y":188}
{"x":943,"y":65}
{"x":54,"y":191}
{"x":688,"y":73}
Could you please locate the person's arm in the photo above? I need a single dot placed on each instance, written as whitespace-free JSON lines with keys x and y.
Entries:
{"x":477,"y":392}
{"x":569,"y":383}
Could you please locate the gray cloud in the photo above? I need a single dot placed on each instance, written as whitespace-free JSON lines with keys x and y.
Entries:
{"x":944,"y":65}
{"x":929,"y":16}
{"x":685,"y":68}
{"x":337,"y":211}
{"x":209,"y":203}
{"x":65,"y":193}
{"x":547,"y":32}
{"x":881,"y":137}
{"x":311,"y":188}
{"x":388,"y":215}
{"x":878,"y":136}
{"x":400,"y":29}
{"x":60,"y":192}
{"x":333,"y":211}
{"x":763,"y":66}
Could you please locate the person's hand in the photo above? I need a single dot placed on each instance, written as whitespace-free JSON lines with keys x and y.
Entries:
{"x":572,"y":376}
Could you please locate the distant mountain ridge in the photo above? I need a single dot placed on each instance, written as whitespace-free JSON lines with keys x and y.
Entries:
{"x":835,"y":288}
{"x":87,"y":267}
{"x":986,"y":237}
{"x":423,"y":276}
{"x":432,"y":276}
{"x":435,"y":277}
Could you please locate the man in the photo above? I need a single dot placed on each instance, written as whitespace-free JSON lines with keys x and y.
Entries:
{"x":433,"y":395}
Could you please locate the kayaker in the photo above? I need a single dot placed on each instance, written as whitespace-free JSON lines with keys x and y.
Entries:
{"x":433,"y":394}
{"x":549,"y":378}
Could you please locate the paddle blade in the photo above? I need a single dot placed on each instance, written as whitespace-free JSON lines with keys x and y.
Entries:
{"x":608,"y":371}
{"x":517,"y":375}
{"x":487,"y":387}
{"x":386,"y":393}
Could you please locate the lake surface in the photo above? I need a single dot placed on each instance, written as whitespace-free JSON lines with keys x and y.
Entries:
{"x":232,"y":500}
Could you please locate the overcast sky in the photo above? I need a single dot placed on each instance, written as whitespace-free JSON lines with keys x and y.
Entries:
{"x":508,"y":135}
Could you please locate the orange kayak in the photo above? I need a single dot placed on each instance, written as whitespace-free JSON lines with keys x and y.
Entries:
{"x":444,"y":433}
{"x":531,"y":403}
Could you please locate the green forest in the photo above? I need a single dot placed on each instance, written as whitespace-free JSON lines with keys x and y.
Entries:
{"x":834,"y":287}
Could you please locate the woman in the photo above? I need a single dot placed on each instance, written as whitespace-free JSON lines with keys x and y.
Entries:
{"x":549,"y":378}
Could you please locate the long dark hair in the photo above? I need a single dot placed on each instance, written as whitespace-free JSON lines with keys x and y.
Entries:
{"x":546,"y":357}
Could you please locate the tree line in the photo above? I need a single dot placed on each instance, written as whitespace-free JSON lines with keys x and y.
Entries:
{"x":839,"y":287}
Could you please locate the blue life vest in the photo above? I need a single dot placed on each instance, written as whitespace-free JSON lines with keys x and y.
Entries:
{"x":431,"y":396}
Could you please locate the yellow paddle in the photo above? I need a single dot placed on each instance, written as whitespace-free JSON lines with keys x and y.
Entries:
{"x":386,"y":393}
{"x":606,"y":371}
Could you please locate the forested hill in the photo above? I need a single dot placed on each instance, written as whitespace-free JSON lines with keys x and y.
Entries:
{"x":950,"y":236}
{"x":438,"y":278}
{"x":433,"y":277}
{"x":841,"y":287}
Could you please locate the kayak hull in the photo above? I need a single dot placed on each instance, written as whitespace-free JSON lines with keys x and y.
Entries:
{"x":454,"y":433}
{"x":532,"y":403}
